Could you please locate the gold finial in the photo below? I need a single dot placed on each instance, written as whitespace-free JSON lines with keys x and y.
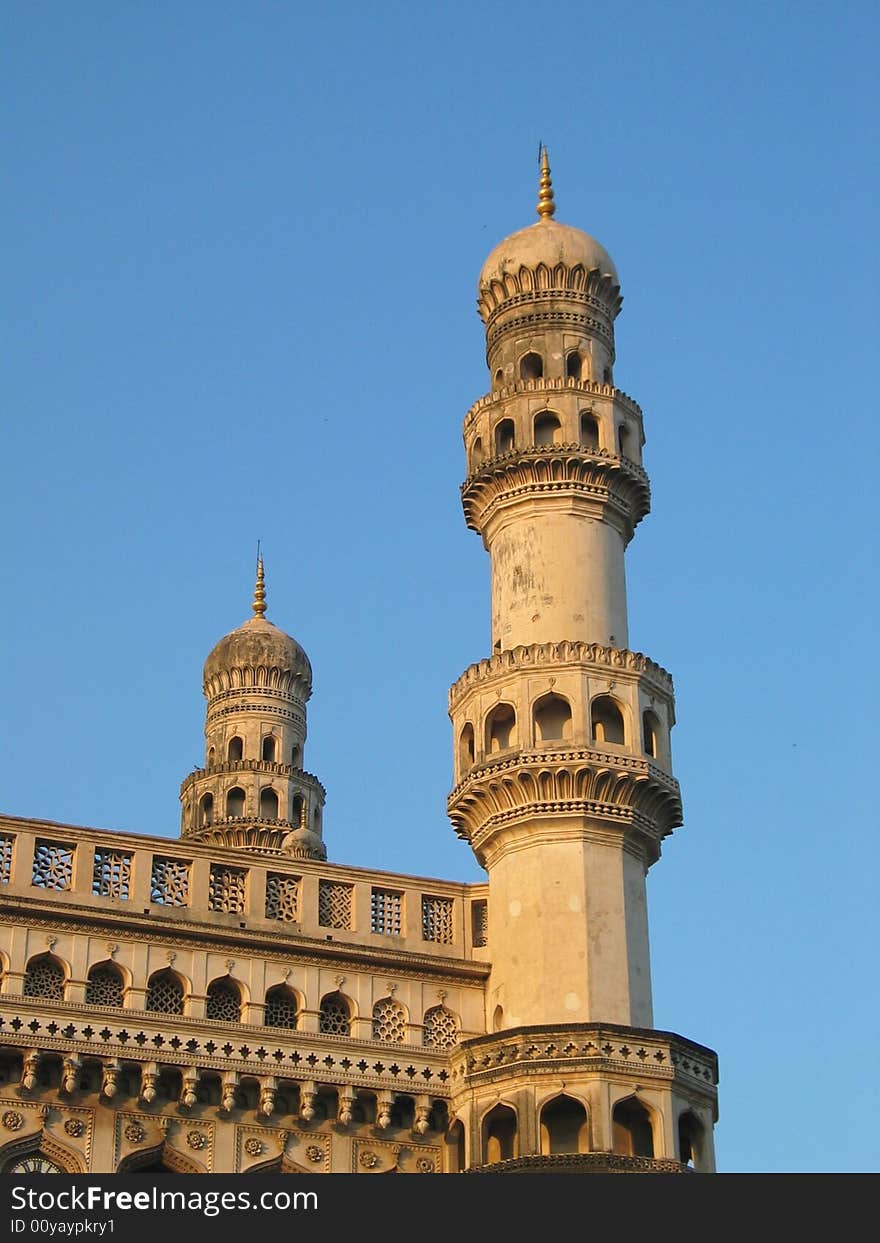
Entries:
{"x":546,"y":202}
{"x":260,"y":589}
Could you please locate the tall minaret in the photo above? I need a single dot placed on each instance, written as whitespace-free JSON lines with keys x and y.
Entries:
{"x":563,"y":782}
{"x":253,"y":791}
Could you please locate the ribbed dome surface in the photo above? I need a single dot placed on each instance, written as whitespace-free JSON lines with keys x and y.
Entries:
{"x":549,"y":243}
{"x":258,"y":644}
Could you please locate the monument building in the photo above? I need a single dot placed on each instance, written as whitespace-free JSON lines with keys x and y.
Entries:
{"x":232,"y":1001}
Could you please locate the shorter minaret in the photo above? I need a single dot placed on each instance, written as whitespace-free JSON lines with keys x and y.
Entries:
{"x":253,"y":791}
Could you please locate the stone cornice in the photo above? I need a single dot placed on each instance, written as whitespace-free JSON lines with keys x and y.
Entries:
{"x":287,"y":771}
{"x":542,"y":283}
{"x":539,"y":656}
{"x":595,"y":475}
{"x":585,"y":388}
{"x":551,"y":317}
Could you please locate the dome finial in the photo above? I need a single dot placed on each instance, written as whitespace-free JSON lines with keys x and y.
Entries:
{"x":546,"y":202}
{"x":260,"y":589}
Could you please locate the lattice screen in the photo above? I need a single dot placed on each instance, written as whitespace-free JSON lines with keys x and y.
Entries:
{"x":437,"y":924}
{"x":169,"y":883}
{"x":389,"y":1021}
{"x":226,"y":889}
{"x":480,"y":924}
{"x":44,"y":978}
{"x":334,"y":904}
{"x":335,"y":1016}
{"x":281,"y":1008}
{"x":282,"y":897}
{"x":53,"y":865}
{"x":441,"y":1028}
{"x":165,"y":993}
{"x":111,"y":875}
{"x":104,"y":987}
{"x":6,"y":841}
{"x":386,"y":908}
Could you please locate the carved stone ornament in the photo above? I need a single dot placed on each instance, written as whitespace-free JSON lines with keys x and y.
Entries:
{"x":135,"y":1133}
{"x":314,"y":1153}
{"x":254,"y":1147}
{"x":369,"y":1160}
{"x":425,"y":1165}
{"x":74,"y":1127}
{"x":13,"y":1121}
{"x":197,"y":1140}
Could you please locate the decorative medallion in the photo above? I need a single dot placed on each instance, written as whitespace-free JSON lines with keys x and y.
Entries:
{"x":425,"y":1165}
{"x":13,"y":1121}
{"x":135,"y":1133}
{"x":253,"y":1146}
{"x":74,"y":1127}
{"x":369,"y":1160}
{"x":197,"y":1139}
{"x":314,"y":1153}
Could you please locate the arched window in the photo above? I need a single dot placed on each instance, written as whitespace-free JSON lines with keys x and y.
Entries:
{"x":631,"y":1123}
{"x":164,"y":992}
{"x":105,"y":985}
{"x":573,"y":365}
{"x":335,"y":1016}
{"x":589,"y":432}
{"x":268,"y":804}
{"x":466,"y":747}
{"x":296,"y":756}
{"x":531,"y":367}
{"x":296,"y":810}
{"x":564,"y":1126}
{"x":454,"y":1141}
{"x":268,"y":749}
{"x":212,"y":755}
{"x":282,"y":1007}
{"x":499,"y":1135}
{"x":44,"y":977}
{"x":500,"y":728}
{"x":623,"y":440}
{"x":235,"y":802}
{"x":223,"y":1000}
{"x":651,"y":733}
{"x":606,"y":376}
{"x":206,"y":809}
{"x":552,"y":718}
{"x":389,"y":1021}
{"x":440,"y":1028}
{"x":235,"y":749}
{"x":477,"y":453}
{"x":690,"y":1140}
{"x":548,"y":429}
{"x":498,"y":1019}
{"x":499,"y":377}
{"x":505,"y":436}
{"x":606,"y":720}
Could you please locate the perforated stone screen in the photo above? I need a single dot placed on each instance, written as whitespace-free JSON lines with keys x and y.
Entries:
{"x":480,"y":924}
{"x":169,"y":883}
{"x":441,"y":1028}
{"x":104,"y":987}
{"x":335,"y":1017}
{"x":111,"y":874}
{"x":44,"y":978}
{"x":53,"y":865}
{"x":281,"y":1008}
{"x":6,"y":840}
{"x":223,"y":1002}
{"x":389,"y":1021}
{"x":282,"y":897}
{"x":226,"y":889}
{"x":165,"y":994}
{"x":437,"y":921}
{"x":334,"y":904}
{"x":386,"y":908}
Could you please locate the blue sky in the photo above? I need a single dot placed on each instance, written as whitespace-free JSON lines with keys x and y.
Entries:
{"x":241,"y":276}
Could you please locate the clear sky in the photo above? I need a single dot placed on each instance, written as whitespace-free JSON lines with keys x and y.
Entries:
{"x":242,"y":243}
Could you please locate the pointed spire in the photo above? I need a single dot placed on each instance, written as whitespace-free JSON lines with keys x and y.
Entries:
{"x":546,"y":202}
{"x":260,"y":589}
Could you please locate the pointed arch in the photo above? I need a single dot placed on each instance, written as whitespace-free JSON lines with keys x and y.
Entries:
{"x":632,"y":1128}
{"x":336,"y":1013}
{"x":283,"y":1006}
{"x":606,"y":720}
{"x":500,"y":731}
{"x":564,"y":1126}
{"x":552,"y":718}
{"x":45,"y":976}
{"x":223,"y":1000}
{"x":389,"y":1021}
{"x":105,"y":984}
{"x":166,"y":991}
{"x":500,"y":1134}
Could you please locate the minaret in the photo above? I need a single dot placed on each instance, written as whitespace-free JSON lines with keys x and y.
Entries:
{"x":562,"y":761}
{"x":253,"y":791}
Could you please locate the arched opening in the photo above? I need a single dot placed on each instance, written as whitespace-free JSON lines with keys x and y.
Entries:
{"x":574,"y":365}
{"x":548,"y":429}
{"x":500,"y":1141}
{"x":633,"y":1135}
{"x":499,"y":377}
{"x":651,"y":733}
{"x":282,"y":1007}
{"x":564,"y":1126}
{"x":498,"y":1019}
{"x":690,"y":1140}
{"x":296,"y":810}
{"x":389,"y":1021}
{"x":477,"y":453}
{"x":235,"y":802}
{"x":206,"y":809}
{"x":531,"y":367}
{"x":607,"y":376}
{"x":105,"y":985}
{"x":164,"y":992}
{"x":296,"y":756}
{"x":335,"y":1015}
{"x":589,"y":432}
{"x":623,"y":440}
{"x":505,"y":436}
{"x":466,"y":747}
{"x":212,"y":755}
{"x":500,"y":728}
{"x":552,"y":715}
{"x":44,"y":976}
{"x":454,"y":1141}
{"x":268,"y":804}
{"x":268,"y":749}
{"x":235,"y":750}
{"x":439,"y":1028}
{"x":606,"y":720}
{"x":223,"y":1000}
